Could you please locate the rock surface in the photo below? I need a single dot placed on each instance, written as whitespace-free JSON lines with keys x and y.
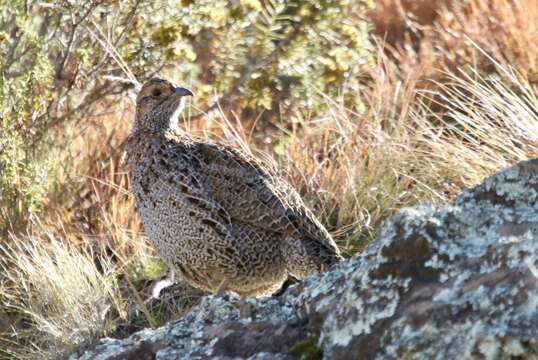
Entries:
{"x":458,"y":281}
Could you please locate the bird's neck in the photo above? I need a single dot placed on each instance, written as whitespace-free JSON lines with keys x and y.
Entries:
{"x":159,"y":121}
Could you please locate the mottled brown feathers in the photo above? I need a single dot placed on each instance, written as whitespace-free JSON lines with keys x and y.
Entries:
{"x":215,"y":213}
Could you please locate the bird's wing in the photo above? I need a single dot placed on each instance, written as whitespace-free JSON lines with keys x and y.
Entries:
{"x":179,"y":170}
{"x":253,"y":193}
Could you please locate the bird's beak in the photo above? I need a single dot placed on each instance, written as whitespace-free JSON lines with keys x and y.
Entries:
{"x":181,"y":91}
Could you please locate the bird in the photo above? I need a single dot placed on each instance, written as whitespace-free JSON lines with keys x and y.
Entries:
{"x":219,"y":217}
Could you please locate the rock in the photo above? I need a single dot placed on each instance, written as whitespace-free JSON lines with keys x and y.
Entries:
{"x":457,"y":281}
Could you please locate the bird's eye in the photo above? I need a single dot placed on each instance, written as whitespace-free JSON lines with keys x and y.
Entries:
{"x":156,"y":92}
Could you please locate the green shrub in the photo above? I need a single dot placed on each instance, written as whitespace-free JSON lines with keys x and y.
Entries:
{"x":271,"y":55}
{"x":26,"y":77}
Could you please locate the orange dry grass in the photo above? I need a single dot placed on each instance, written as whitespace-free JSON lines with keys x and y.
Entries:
{"x":430,"y":34}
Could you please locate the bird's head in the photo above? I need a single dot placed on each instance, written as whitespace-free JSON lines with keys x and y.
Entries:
{"x":158,"y":105}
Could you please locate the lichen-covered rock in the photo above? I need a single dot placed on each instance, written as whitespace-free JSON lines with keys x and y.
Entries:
{"x":458,"y":281}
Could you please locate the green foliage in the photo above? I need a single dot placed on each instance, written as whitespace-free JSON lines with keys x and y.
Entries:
{"x":272,"y":55}
{"x":25,"y":82}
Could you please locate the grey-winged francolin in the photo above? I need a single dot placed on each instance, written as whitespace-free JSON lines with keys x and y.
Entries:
{"x":217,"y":215}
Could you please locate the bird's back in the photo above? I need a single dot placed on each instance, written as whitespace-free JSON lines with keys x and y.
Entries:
{"x":254,"y":193}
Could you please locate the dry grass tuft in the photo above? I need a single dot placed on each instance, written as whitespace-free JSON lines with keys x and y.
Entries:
{"x":58,"y":294}
{"x":487,"y":124}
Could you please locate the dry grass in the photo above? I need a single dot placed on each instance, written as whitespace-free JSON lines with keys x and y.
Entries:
{"x":63,"y":297}
{"x":440,"y":115}
{"x":427,"y":35}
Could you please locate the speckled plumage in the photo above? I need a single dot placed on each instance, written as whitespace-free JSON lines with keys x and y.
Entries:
{"x":215,"y":213}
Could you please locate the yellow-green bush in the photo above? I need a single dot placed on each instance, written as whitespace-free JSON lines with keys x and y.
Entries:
{"x":270,"y":55}
{"x":25,"y":81}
